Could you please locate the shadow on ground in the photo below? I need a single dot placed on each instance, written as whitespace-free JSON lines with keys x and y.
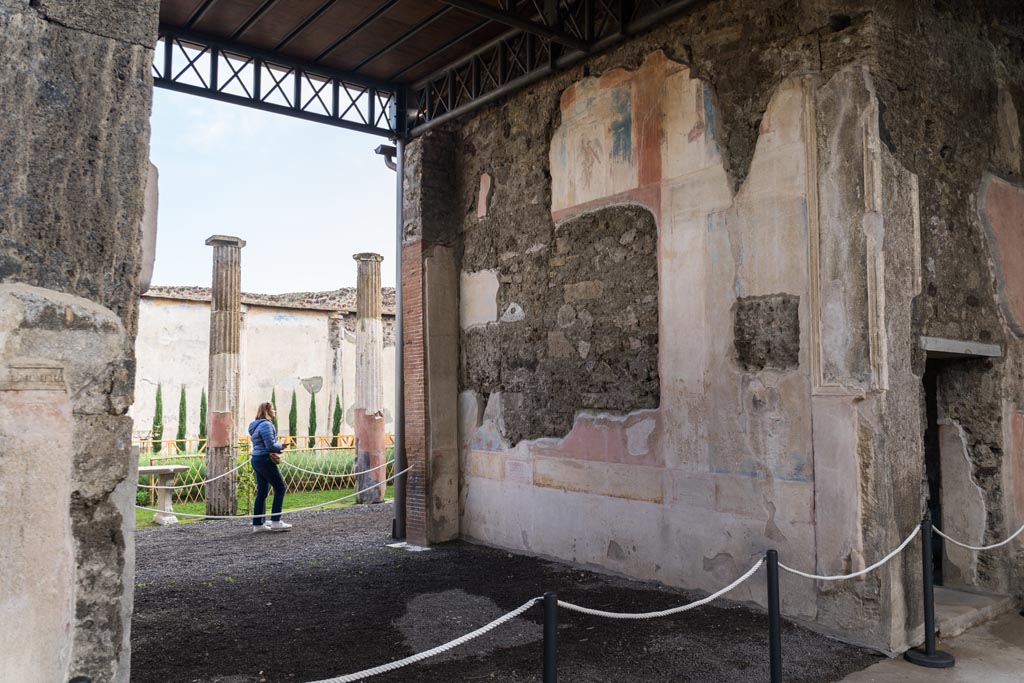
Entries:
{"x":215,"y":603}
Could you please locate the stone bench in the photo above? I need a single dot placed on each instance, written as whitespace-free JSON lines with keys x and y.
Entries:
{"x":165,"y":475}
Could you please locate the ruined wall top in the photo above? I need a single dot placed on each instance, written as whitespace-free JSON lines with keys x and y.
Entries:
{"x":342,"y":300}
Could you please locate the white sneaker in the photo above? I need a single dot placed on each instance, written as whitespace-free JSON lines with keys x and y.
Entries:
{"x":258,"y":528}
{"x":278,"y":526}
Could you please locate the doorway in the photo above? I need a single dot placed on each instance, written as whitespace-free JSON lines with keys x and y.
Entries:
{"x":933,"y":459}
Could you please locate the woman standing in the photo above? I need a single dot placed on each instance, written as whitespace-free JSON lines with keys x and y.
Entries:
{"x":266,"y":453}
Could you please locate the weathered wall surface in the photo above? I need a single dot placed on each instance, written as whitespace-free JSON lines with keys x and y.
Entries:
{"x":75,"y":140}
{"x":955,"y":122}
{"x":283,"y":350}
{"x":795,"y":235}
{"x":587,"y":293}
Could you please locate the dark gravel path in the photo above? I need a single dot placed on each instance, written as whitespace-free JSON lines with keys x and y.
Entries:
{"x":215,"y":603}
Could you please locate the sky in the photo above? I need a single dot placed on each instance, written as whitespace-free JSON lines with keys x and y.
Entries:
{"x":304,"y":196}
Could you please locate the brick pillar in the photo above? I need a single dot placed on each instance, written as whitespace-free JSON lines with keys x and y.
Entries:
{"x":415,"y":392}
{"x":225,"y":326}
{"x":430,"y":331}
{"x":369,"y":399}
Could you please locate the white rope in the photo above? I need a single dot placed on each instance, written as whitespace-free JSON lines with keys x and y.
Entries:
{"x":195,"y":483}
{"x":325,"y":474}
{"x":1014,"y":535}
{"x":664,"y":613}
{"x":274,"y":514}
{"x":283,"y":462}
{"x":876,"y":565}
{"x":419,"y":657}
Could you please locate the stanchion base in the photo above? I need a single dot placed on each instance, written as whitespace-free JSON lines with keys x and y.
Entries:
{"x":939,"y":660}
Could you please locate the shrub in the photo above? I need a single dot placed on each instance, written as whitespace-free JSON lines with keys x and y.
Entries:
{"x":293,"y":418}
{"x":312,"y":420}
{"x":202,"y":421}
{"x":158,"y":420}
{"x":273,"y":402}
{"x":182,"y":419}
{"x":336,"y":422}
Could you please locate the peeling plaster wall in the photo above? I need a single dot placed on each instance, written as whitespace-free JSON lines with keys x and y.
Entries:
{"x":772,"y":315}
{"x":279,"y":349}
{"x":779,"y":197}
{"x":955,"y":121}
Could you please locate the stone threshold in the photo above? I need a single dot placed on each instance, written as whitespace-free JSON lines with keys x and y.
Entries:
{"x":958,"y":610}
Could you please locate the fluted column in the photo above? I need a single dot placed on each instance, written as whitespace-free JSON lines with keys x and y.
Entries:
{"x":369,"y":399}
{"x":225,"y":326}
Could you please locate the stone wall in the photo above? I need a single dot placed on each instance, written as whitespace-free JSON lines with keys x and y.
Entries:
{"x":75,"y":85}
{"x":788,"y":157}
{"x":572,"y":321}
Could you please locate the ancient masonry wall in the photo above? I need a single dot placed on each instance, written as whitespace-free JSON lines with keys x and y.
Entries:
{"x":75,"y":85}
{"x":767,"y":166}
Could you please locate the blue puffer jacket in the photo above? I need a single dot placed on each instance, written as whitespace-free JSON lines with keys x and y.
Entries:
{"x":264,"y":437}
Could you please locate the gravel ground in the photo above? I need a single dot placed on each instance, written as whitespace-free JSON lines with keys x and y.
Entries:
{"x":215,"y":603}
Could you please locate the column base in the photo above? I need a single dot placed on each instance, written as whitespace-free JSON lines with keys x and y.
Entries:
{"x":163,"y":519}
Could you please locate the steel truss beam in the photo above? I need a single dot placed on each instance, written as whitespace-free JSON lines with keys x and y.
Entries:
{"x":190,"y":62}
{"x":519,"y":58}
{"x":193,"y":63}
{"x":503,"y":17}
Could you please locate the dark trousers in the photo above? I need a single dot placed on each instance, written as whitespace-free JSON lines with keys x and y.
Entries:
{"x":267,"y":475}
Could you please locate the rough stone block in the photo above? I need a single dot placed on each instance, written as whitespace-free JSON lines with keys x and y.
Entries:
{"x":598,"y":353}
{"x":767,"y":332}
{"x":130,"y":21}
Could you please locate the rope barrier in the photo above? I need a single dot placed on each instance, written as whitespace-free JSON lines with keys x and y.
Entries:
{"x":195,"y":483}
{"x":663,"y":613}
{"x":325,"y":474}
{"x":866,"y":570}
{"x":283,"y":512}
{"x":1014,"y":535}
{"x":283,"y":462}
{"x":419,"y":657}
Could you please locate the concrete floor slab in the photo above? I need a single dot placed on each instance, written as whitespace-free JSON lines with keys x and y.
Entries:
{"x":990,"y":653}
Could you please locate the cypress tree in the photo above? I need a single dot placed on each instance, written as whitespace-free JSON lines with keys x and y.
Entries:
{"x":158,"y":420}
{"x":202,"y":420}
{"x":336,"y":422}
{"x":273,"y":402}
{"x":182,"y":419}
{"x":312,"y":420}
{"x":293,"y":417}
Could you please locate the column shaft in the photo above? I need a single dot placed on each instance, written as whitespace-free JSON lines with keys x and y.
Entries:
{"x":225,"y":328}
{"x":369,"y":400}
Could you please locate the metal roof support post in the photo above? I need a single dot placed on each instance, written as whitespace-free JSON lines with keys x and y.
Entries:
{"x":398,"y":530}
{"x":400,"y":118}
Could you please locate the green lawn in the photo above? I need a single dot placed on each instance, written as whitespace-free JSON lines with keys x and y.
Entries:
{"x":144,"y":518}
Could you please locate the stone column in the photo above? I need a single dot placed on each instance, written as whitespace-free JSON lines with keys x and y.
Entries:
{"x":369,"y":400}
{"x":225,"y":325}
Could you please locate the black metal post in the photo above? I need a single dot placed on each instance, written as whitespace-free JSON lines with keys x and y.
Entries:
{"x":930,"y":657}
{"x":398,"y":527}
{"x":774,"y":619}
{"x":550,"y":638}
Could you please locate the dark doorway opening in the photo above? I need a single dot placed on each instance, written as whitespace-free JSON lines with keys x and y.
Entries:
{"x":933,"y":458}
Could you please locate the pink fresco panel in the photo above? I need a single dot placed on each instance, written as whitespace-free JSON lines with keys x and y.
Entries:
{"x":1001,"y":207}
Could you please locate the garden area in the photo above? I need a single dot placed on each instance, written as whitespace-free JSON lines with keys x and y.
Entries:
{"x":315,"y":471}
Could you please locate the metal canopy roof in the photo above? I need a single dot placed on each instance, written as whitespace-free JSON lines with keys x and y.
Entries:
{"x":387,"y":67}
